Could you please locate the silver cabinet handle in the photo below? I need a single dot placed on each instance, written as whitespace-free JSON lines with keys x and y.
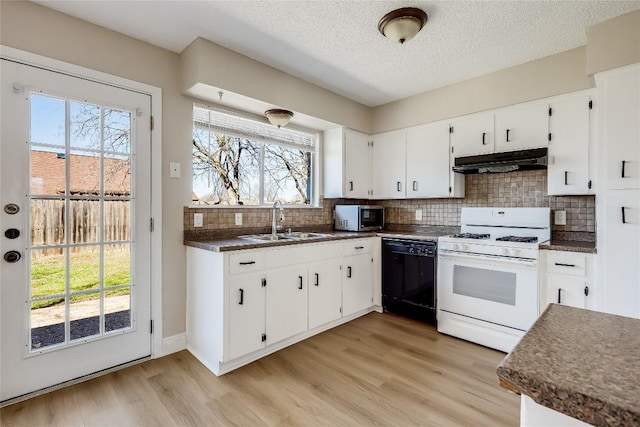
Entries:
{"x":399,"y":186}
{"x":415,"y":185}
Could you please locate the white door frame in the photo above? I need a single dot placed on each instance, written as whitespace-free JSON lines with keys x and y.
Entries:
{"x":29,"y":58}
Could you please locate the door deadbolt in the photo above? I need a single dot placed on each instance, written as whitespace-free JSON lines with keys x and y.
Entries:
{"x":11,"y":208}
{"x":12,"y":233}
{"x":12,"y":256}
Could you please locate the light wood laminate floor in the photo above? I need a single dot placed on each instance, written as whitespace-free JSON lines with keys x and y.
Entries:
{"x":380,"y":369}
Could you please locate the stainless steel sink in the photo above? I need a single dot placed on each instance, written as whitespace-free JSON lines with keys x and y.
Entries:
{"x":284,"y":236}
{"x":303,"y":235}
{"x":265,"y":237}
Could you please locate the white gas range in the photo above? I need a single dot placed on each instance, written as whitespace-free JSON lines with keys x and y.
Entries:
{"x":488,"y":275}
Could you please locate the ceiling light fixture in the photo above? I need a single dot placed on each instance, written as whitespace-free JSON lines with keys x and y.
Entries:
{"x":278,"y":117}
{"x":402,"y":24}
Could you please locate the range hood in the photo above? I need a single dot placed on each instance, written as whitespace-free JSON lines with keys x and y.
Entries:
{"x":502,"y":162}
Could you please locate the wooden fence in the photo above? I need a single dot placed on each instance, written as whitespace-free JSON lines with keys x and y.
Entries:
{"x":48,"y":218}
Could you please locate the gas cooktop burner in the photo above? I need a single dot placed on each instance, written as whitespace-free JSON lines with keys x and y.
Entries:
{"x":471,"y":236}
{"x":517,"y":239}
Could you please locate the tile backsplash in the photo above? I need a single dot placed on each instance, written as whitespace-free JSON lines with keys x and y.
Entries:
{"x":513,"y":189}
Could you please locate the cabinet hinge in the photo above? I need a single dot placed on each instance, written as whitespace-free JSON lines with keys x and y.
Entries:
{"x":451,"y":149}
{"x":450,"y":129}
{"x":340,"y":266}
{"x":591,"y":105}
{"x":264,"y":337}
{"x":589,"y":185}
{"x":549,"y":136}
{"x":340,"y":309}
{"x":550,"y":111}
{"x":151,"y":326}
{"x":151,"y":224}
{"x":264,"y":282}
{"x":151,"y":123}
{"x":586,"y":291}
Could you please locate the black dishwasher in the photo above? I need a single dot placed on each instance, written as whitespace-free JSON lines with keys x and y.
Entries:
{"x":409,"y":278}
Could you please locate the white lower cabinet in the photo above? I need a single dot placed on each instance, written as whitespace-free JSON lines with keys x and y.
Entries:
{"x":243,"y":305}
{"x":567,"y":279}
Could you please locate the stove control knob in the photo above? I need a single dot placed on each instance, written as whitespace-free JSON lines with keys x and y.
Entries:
{"x":504,"y":251}
{"x":514,"y":252}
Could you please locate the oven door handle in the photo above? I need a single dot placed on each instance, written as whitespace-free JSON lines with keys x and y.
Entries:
{"x":452,"y":256}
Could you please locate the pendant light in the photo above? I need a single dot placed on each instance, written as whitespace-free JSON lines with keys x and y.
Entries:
{"x":403,"y":24}
{"x":278,"y":117}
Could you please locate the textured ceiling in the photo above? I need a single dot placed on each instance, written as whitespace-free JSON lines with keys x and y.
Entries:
{"x":336,"y":44}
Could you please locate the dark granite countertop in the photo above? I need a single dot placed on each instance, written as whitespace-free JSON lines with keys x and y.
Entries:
{"x":224,"y":244}
{"x":570,"y":246}
{"x":582,"y":363}
{"x":430,"y":236}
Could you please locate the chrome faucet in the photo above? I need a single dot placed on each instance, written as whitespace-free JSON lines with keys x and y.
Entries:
{"x":274,"y":227}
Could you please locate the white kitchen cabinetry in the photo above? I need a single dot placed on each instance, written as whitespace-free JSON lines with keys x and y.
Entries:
{"x":243,"y":305}
{"x":357,"y":283}
{"x":287,"y":298}
{"x":618,"y":202}
{"x":567,"y":279}
{"x":325,"y":292}
{"x":347,"y":164}
{"x":472,"y":135}
{"x":522,"y":126}
{"x":570,"y":126}
{"x":429,"y":171}
{"x":246,"y":314}
{"x":389,"y":165}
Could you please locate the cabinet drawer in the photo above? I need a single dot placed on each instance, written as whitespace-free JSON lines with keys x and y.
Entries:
{"x":245,"y":262}
{"x":357,"y":246}
{"x":567,"y":263}
{"x":301,"y":254}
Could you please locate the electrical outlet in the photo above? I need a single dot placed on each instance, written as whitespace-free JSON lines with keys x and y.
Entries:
{"x":198,"y":219}
{"x":238,"y":218}
{"x":560,"y":218}
{"x":418,"y":214}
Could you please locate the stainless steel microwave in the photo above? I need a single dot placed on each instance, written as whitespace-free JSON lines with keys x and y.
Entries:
{"x":359,"y":217}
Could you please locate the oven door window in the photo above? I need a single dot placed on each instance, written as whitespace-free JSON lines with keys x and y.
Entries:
{"x":488,"y":285}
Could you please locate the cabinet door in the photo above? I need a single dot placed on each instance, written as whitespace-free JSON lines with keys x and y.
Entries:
{"x":428,"y":161}
{"x":246,"y":314}
{"x":357,"y":164}
{"x":472,"y":135}
{"x":325,"y":292}
{"x":286,"y":307}
{"x":569,"y":124}
{"x":389,"y":165}
{"x":619,"y":251}
{"x":567,"y":290}
{"x":357,"y":283}
{"x":619,"y":97}
{"x":521,"y":127}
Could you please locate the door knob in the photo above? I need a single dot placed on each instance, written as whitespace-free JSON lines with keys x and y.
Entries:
{"x":12,"y":233}
{"x":12,"y":256}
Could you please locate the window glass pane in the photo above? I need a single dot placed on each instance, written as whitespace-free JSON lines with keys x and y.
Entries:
{"x":84,"y":268}
{"x":48,"y":168}
{"x":84,"y":316}
{"x":116,"y":220}
{"x":47,"y":222}
{"x":47,"y":120}
{"x":117,"y":175}
{"x":226,"y":169}
{"x":47,"y":323}
{"x":117,"y":265}
{"x":117,"y":309}
{"x":117,"y":131}
{"x":47,"y":273}
{"x":286,"y":175}
{"x":84,"y":173}
{"x":84,"y":125}
{"x":84,"y":221}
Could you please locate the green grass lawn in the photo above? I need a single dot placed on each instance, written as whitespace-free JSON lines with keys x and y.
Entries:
{"x":48,"y":275}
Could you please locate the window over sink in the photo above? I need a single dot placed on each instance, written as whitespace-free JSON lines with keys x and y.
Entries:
{"x":241,"y":159}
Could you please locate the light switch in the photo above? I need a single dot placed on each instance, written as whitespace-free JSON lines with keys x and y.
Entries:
{"x":560,"y":218}
{"x":174,"y":170}
{"x":418,"y":214}
{"x":238,"y":218}
{"x":197,"y":219}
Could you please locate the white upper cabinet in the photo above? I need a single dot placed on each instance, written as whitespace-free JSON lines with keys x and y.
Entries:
{"x":522,"y":126}
{"x":569,"y":149}
{"x":389,"y":165}
{"x":347,"y":164}
{"x":620,"y":104}
{"x":472,"y":135}
{"x":428,"y":170}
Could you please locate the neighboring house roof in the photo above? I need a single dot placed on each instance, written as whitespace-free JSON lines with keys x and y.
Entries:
{"x":48,"y":174}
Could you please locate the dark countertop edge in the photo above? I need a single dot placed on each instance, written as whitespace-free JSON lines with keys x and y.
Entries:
{"x":570,"y":246}
{"x":238,"y":244}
